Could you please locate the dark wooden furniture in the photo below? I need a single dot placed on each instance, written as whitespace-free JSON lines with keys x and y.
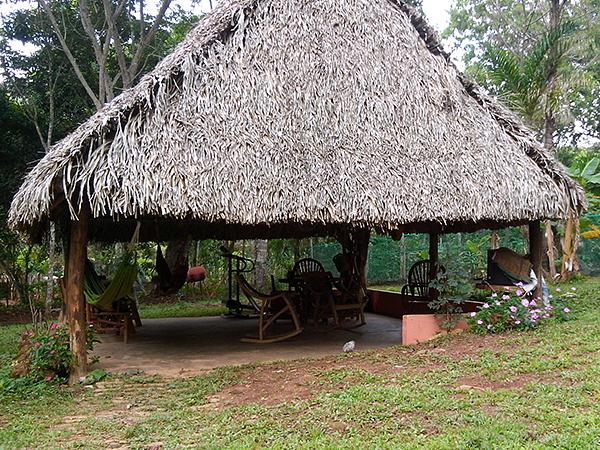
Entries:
{"x":327,"y":304}
{"x":419,"y":277}
{"x":305,"y":265}
{"x":294,"y":276}
{"x":277,"y":305}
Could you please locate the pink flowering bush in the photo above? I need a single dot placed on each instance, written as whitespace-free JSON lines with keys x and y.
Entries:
{"x":45,"y":354}
{"x":518,"y":311}
{"x":49,"y":355}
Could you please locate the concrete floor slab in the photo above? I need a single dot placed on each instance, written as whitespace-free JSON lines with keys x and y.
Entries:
{"x":187,"y":346}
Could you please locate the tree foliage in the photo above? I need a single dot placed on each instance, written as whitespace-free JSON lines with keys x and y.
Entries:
{"x":539,"y":62}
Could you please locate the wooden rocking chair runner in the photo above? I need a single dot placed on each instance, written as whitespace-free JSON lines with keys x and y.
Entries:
{"x":419,"y":277}
{"x":276,"y":305}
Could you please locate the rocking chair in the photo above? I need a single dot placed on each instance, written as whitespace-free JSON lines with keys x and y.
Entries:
{"x":272,"y":307}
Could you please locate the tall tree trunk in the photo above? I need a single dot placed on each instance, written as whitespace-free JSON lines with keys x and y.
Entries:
{"x":260,"y":253}
{"x":550,"y":249}
{"x":549,"y":127}
{"x":176,"y":253}
{"x":494,"y":240}
{"x":296,"y":244}
{"x":74,"y":289}
{"x":569,"y":263}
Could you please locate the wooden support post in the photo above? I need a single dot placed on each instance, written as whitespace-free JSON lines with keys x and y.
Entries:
{"x":433,"y":255}
{"x":361,"y":242}
{"x":535,"y":253}
{"x":74,"y":290}
{"x":494,"y":240}
{"x":434,"y":239}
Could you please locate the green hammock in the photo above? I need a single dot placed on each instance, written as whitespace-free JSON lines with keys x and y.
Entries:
{"x":102,"y":294}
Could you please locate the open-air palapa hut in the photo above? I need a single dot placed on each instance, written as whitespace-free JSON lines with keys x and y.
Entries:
{"x":291,"y":118}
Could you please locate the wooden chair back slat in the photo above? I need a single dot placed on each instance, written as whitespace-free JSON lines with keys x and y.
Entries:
{"x":419,"y":279}
{"x":307,"y":265}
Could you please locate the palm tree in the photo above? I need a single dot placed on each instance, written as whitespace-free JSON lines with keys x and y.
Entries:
{"x":536,"y":86}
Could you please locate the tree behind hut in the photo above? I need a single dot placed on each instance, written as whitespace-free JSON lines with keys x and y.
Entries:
{"x":537,"y":57}
{"x":85,"y":54}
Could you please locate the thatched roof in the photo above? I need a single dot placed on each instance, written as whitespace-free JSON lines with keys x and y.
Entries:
{"x":291,"y":112}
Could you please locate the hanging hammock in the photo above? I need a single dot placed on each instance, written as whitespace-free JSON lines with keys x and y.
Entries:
{"x":169,"y":281}
{"x":103,"y":294}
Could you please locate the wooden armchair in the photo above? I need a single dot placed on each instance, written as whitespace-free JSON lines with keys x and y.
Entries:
{"x":272,"y":307}
{"x":419,"y":279}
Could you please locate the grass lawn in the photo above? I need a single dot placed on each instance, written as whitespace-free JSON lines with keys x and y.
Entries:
{"x":181,"y":309}
{"x":538,"y":389}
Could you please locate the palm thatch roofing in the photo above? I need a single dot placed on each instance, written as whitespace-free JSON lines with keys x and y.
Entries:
{"x":282,"y":117}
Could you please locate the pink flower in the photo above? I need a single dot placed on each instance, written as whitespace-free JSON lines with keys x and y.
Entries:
{"x":53,"y":327}
{"x":494,"y":295}
{"x":36,"y":344}
{"x":549,"y":307}
{"x":473,"y":314}
{"x":567,"y":310}
{"x":52,"y":352}
{"x":497,"y":303}
{"x":532,"y":303}
{"x":525,"y":302}
{"x":517,"y":322}
{"x":486,"y":306}
{"x":519,"y":292}
{"x":506,"y":297}
{"x":513,"y":309}
{"x":48,"y":378}
{"x":480,"y":322}
{"x":557,"y":289}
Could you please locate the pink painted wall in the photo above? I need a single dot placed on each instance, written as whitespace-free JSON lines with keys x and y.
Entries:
{"x":424,"y":327}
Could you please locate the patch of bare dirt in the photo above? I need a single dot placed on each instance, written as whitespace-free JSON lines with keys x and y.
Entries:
{"x":508,"y":381}
{"x":269,"y":385}
{"x":274,"y":384}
